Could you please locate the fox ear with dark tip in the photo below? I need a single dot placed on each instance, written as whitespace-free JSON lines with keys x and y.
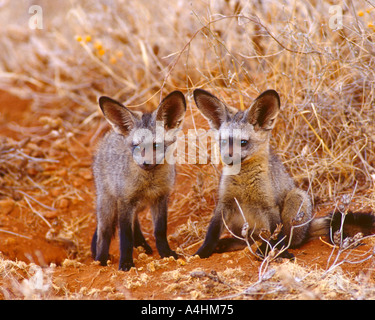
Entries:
{"x":215,"y":111}
{"x":264,"y":110}
{"x":119,"y":117}
{"x":172,"y":110}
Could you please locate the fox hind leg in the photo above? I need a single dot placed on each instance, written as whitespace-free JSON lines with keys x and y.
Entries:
{"x":139,"y":239}
{"x":126,"y":234}
{"x":159,"y":216}
{"x":211,"y":240}
{"x":106,"y":226}
{"x":93,"y":243}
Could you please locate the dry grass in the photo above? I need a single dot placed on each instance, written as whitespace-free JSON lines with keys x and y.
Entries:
{"x":139,"y":50}
{"x":286,"y":281}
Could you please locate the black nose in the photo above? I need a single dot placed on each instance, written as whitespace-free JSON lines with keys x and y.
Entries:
{"x":233,"y":159}
{"x":148,"y":166}
{"x":230,"y":153}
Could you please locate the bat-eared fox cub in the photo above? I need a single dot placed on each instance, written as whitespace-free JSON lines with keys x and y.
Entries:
{"x":130,"y":173}
{"x":265,"y":192}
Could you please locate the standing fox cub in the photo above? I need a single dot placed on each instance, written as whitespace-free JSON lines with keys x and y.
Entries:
{"x":129,"y":173}
{"x":264,"y":191}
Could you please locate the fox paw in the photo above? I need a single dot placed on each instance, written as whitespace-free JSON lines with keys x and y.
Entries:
{"x":147,"y":248}
{"x":203,"y":253}
{"x":126,"y":266}
{"x":287,"y":255}
{"x":173,"y":254}
{"x":169,"y":253}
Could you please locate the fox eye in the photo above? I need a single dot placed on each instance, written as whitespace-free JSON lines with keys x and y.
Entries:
{"x":244,"y":143}
{"x":137,"y":149}
{"x":224,"y":141}
{"x":156,"y":145}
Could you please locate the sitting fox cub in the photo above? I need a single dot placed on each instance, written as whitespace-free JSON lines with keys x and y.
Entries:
{"x":129,"y":174}
{"x":265,"y":192}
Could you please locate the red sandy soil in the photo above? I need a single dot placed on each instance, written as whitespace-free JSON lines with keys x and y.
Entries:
{"x":73,"y":223}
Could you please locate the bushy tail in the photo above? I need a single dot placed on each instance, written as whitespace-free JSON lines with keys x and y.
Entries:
{"x":353,"y":223}
{"x":348,"y":225}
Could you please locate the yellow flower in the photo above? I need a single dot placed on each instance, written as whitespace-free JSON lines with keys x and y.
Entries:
{"x":78,"y":38}
{"x":101,"y":52}
{"x":360,"y":13}
{"x":370,"y":25}
{"x":88,"y":38}
{"x":112,"y":60}
{"x":119,"y":53}
{"x":98,"y":45}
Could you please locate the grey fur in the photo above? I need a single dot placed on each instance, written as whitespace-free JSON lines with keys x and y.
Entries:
{"x":125,"y":185}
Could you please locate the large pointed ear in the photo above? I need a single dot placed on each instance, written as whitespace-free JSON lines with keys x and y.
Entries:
{"x":120,"y":118}
{"x":215,"y":111}
{"x":172,"y":110}
{"x":264,"y":110}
